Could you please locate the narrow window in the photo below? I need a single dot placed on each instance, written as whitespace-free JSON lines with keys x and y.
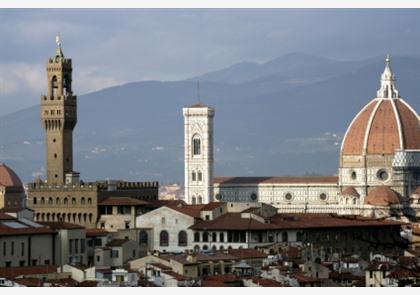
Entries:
{"x":196,"y":146}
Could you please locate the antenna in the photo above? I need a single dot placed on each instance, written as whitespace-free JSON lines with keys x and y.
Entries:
{"x":198,"y":91}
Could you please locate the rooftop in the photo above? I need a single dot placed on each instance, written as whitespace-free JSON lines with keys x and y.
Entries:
{"x":122,"y":201}
{"x":276,"y":180}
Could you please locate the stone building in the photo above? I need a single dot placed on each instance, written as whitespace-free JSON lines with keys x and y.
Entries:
{"x":12,"y":194}
{"x":198,"y":130}
{"x":379,"y":167}
{"x":25,"y":243}
{"x":63,"y":196}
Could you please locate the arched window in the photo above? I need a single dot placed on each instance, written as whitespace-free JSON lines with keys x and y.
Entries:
{"x":194,"y":200}
{"x":50,"y":201}
{"x":66,"y":201}
{"x":284,"y":237}
{"x":196,"y":145}
{"x":196,"y":236}
{"x":205,"y":236}
{"x":196,"y":248}
{"x":221,"y":237}
{"x":214,"y":237}
{"x":182,"y":238}
{"x":57,"y":201}
{"x":205,"y":247}
{"x":200,"y":200}
{"x":54,"y":86}
{"x":84,"y":217}
{"x":90,"y":217}
{"x":164,"y":239}
{"x":143,"y":238}
{"x":42,"y":201}
{"x":73,"y":201}
{"x":299,"y":236}
{"x":48,"y":216}
{"x":82,"y":201}
{"x":354,"y":201}
{"x":193,"y":176}
{"x":35,"y":200}
{"x":221,"y":247}
{"x":89,"y":201}
{"x":200,"y":176}
{"x":67,"y":84}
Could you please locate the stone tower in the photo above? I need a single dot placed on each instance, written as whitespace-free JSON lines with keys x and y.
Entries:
{"x":58,"y":117}
{"x":198,"y":145}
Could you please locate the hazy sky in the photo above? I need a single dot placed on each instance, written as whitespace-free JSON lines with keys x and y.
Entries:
{"x":114,"y":46}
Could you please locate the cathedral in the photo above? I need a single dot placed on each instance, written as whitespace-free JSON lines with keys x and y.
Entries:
{"x":378,"y":174}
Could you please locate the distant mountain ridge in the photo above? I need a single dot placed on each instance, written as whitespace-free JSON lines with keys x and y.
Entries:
{"x":282,"y":117}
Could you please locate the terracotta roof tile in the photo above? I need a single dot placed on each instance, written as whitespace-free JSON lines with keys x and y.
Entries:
{"x":382,"y":196}
{"x":12,"y":272}
{"x":96,"y":232}
{"x":350,"y":191}
{"x":191,"y":210}
{"x":247,"y":253}
{"x":117,"y":242}
{"x":8,"y":177}
{"x":213,"y":205}
{"x":61,"y":225}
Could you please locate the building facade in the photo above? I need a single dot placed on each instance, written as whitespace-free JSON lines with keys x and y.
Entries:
{"x":379,"y":167}
{"x":198,"y":153}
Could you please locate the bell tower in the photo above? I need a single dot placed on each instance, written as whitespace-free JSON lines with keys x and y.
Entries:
{"x":198,"y":153}
{"x":59,"y":117}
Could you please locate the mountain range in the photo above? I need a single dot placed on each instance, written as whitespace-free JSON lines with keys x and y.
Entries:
{"x":283,"y":117}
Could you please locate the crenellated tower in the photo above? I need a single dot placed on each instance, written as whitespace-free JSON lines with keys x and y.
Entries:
{"x":59,"y":117}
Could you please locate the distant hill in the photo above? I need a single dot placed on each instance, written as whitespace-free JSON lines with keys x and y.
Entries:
{"x":283,"y":117}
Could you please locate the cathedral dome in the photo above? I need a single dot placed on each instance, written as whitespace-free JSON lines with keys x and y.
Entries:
{"x":8,"y":177}
{"x":382,"y":196}
{"x":385,"y":124}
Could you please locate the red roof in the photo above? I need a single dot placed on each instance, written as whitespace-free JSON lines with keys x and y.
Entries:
{"x":61,"y":225}
{"x":191,"y":210}
{"x":247,"y":253}
{"x":383,"y":126}
{"x":117,"y":242}
{"x":277,"y":179}
{"x":12,"y":226}
{"x":96,"y":232}
{"x":213,"y":205}
{"x":263,"y":282}
{"x":12,"y":272}
{"x":350,"y":191}
{"x":8,"y":177}
{"x":234,"y":221}
{"x":382,"y":196}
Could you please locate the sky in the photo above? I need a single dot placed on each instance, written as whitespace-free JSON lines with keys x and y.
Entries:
{"x":114,"y":46}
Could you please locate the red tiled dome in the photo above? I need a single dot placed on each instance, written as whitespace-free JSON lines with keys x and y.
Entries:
{"x":8,"y":177}
{"x":350,"y":191}
{"x":385,"y":124}
{"x":382,"y":196}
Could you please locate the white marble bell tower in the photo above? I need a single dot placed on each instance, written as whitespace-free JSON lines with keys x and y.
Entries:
{"x":198,"y":153}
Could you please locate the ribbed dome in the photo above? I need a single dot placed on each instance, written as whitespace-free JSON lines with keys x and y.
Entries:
{"x":8,"y":177}
{"x":382,"y":196}
{"x":350,"y":191}
{"x":385,"y":124}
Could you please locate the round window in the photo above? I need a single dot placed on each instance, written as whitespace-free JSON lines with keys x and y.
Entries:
{"x":288,"y":196}
{"x":353,"y":175}
{"x":253,"y":196}
{"x":322,"y":197}
{"x":218,"y":197}
{"x":382,"y":174}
